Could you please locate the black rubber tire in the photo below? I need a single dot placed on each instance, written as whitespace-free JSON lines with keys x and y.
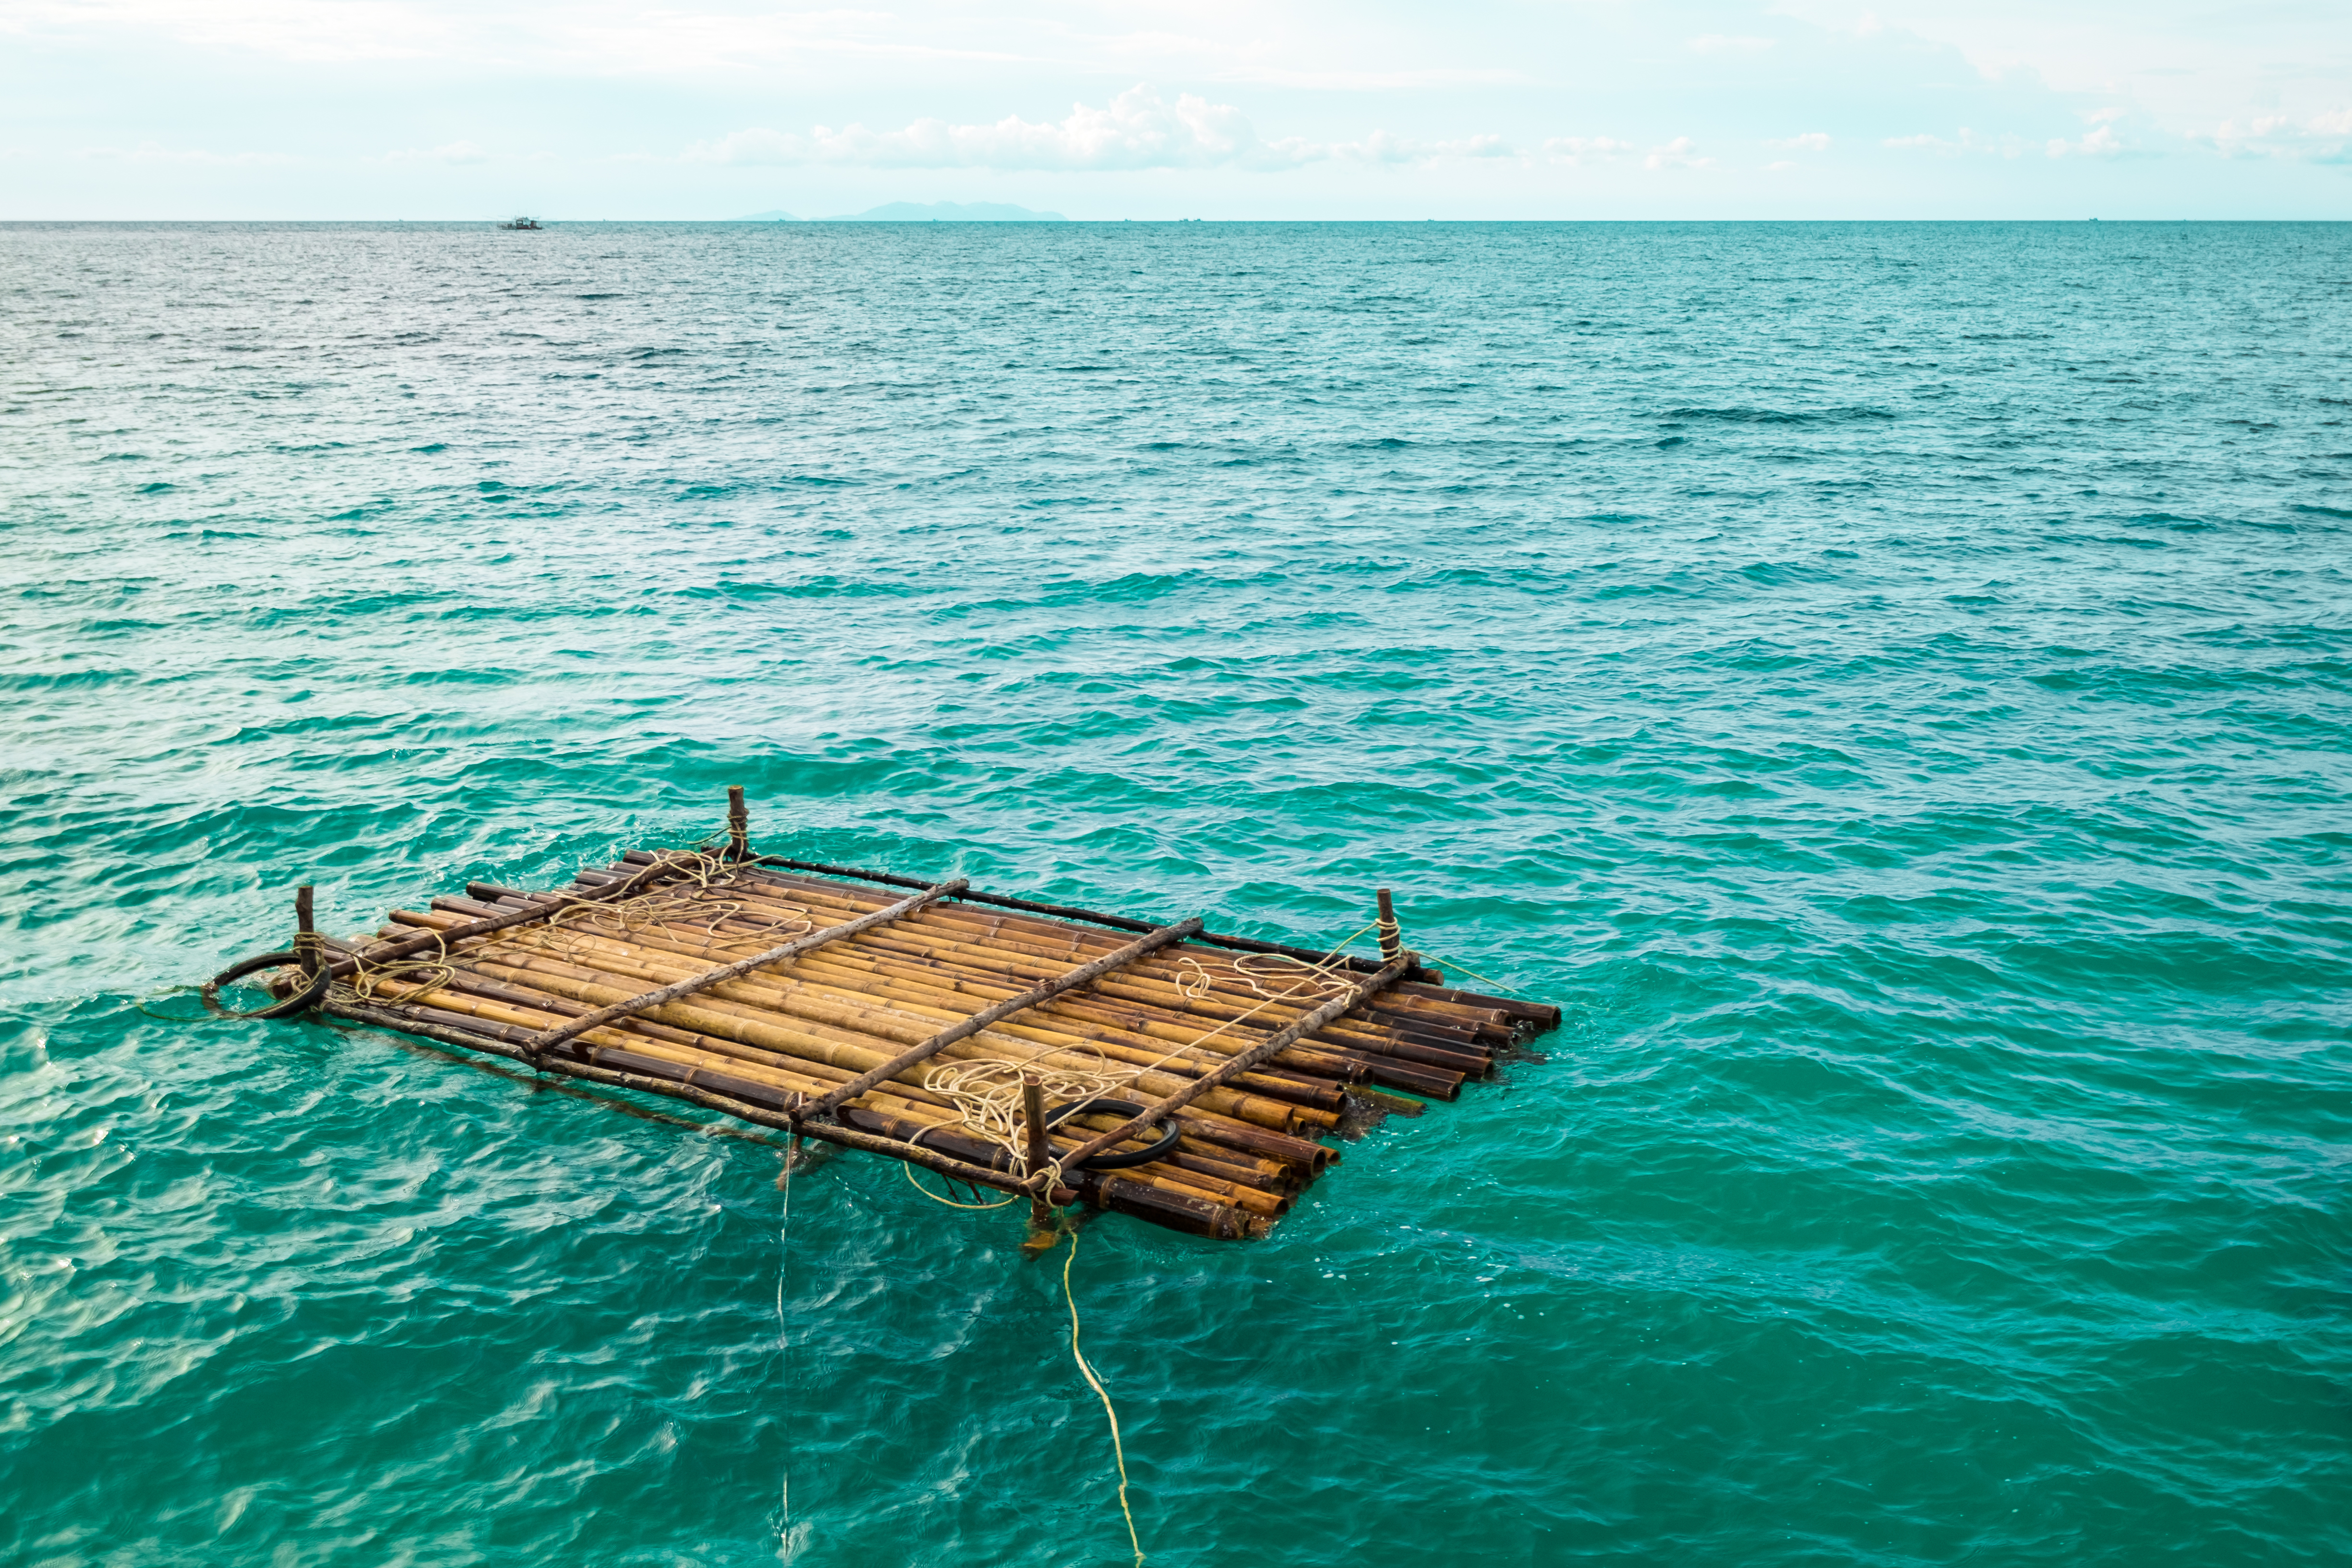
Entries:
{"x":1170,"y":1132}
{"x":303,"y":1001}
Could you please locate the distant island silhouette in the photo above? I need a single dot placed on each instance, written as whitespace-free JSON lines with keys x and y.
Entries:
{"x":919,"y":212}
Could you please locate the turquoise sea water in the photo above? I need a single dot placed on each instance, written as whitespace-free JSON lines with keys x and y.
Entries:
{"x":1888,"y":684}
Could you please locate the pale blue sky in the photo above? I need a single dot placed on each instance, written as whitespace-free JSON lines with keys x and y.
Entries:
{"x":1307,"y":109}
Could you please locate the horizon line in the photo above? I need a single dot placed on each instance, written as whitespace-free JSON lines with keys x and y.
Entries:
{"x":1066,"y":222}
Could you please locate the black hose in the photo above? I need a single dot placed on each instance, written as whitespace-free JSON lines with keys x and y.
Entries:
{"x":1170,"y":1132}
{"x":303,"y":1001}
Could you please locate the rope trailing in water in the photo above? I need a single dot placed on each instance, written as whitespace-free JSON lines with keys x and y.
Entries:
{"x":1118,"y":1448}
{"x":784,"y":1357}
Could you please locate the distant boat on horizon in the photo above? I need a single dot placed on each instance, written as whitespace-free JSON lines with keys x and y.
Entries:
{"x":521,"y":223}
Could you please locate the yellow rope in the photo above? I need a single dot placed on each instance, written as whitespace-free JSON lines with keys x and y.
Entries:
{"x":1118,"y":1448}
{"x":784,"y":1358}
{"x":907,"y":1168}
{"x":560,"y":933}
{"x":986,"y":1091}
{"x":368,"y":975}
{"x":1316,"y":974}
{"x":1440,"y":961}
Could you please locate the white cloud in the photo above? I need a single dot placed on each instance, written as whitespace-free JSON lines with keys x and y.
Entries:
{"x":833,"y":87}
{"x":1137,"y":130}
{"x":2322,"y":138}
{"x":1680,"y":153}
{"x":2100,"y":142}
{"x":1370,"y":82}
{"x":2183,"y":65}
{"x":2009,"y":146}
{"x":1380,"y":147}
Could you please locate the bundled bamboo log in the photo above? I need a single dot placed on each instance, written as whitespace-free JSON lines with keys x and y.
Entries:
{"x":1157,"y":980}
{"x":849,"y":968}
{"x":1068,"y":1056}
{"x":729,"y":1073}
{"x":796,"y":1015}
{"x":941,"y":943}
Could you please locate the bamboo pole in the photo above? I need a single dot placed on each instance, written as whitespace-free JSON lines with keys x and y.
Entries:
{"x":734,"y":1105}
{"x":1226,"y":1157}
{"x":765,"y":1033}
{"x":410,"y":947}
{"x":467,"y":983}
{"x":306,"y":932}
{"x":1399,"y":965}
{"x":738,"y":826}
{"x":1209,"y":1128}
{"x":1263,"y":1188}
{"x":1416,"y":992}
{"x":761,"y":997}
{"x":1058,"y":911}
{"x":1007,"y":1008}
{"x":599,"y":1049}
{"x":938,"y":932}
{"x":1042,"y":1231}
{"x":1040,"y":939}
{"x":1304,"y":1074}
{"x":789,"y":950}
{"x":1307,"y":1075}
{"x":887,"y":970}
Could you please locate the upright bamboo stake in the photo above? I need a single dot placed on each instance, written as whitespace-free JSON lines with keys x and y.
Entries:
{"x":306,"y":935}
{"x":738,"y":826}
{"x":1391,"y":935}
{"x":1041,"y":1230}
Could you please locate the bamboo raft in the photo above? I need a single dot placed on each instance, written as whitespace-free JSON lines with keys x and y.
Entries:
{"x":1065,"y":1055}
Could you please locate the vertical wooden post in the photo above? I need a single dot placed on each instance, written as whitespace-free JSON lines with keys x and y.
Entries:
{"x":738,"y":825}
{"x":1043,"y":1233}
{"x":306,"y":935}
{"x":1392,"y":936}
